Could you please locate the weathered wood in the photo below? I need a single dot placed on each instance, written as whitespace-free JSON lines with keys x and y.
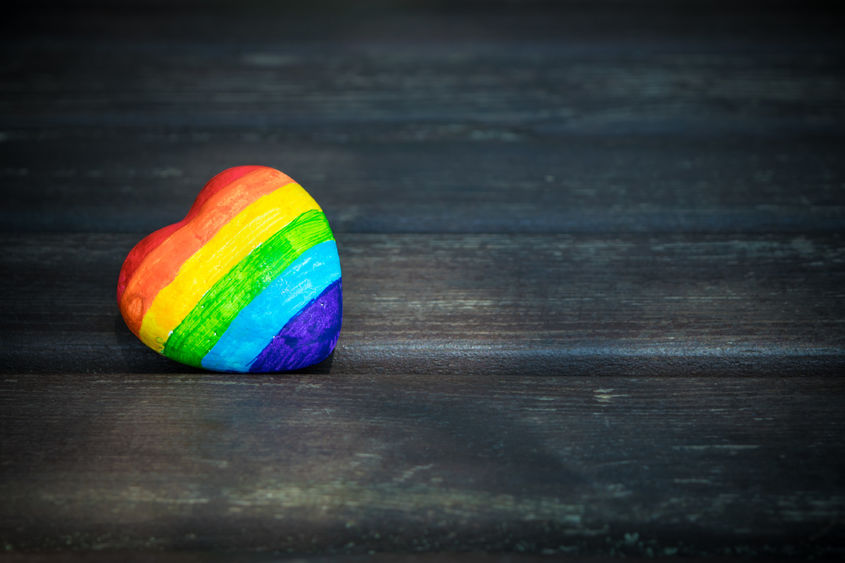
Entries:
{"x":521,"y":193}
{"x":650,"y":466}
{"x":258,"y":557}
{"x":138,"y":180}
{"x":485,"y":304}
{"x":508,"y":89}
{"x":669,"y":121}
{"x":253,"y":557}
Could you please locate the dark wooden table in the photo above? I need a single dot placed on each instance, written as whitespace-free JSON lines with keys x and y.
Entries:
{"x":593,"y":273}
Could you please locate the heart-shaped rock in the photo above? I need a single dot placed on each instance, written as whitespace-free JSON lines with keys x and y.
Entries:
{"x":248,"y":281}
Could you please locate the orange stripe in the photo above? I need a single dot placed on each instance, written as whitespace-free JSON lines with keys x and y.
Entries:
{"x":160,"y":266}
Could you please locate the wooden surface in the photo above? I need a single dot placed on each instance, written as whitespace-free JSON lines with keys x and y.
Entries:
{"x":673,"y":305}
{"x":593,"y":266}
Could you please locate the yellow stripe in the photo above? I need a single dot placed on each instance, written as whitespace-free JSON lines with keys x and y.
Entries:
{"x":232,"y":243}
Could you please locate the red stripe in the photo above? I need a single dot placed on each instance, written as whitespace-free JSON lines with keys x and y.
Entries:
{"x":152,"y":241}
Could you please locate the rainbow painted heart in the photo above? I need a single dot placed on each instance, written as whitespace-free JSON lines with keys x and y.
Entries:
{"x":248,"y":281}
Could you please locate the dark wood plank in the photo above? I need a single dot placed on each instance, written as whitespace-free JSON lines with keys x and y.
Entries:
{"x":258,"y":557}
{"x":549,"y":120}
{"x":139,"y":180}
{"x":314,"y":463}
{"x":253,"y":557}
{"x":510,"y":89}
{"x":415,"y":20}
{"x":485,"y":304}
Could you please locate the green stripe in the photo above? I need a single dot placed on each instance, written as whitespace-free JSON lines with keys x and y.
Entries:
{"x":200,"y":330}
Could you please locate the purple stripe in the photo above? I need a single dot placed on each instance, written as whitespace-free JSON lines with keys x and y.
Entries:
{"x":308,"y":338}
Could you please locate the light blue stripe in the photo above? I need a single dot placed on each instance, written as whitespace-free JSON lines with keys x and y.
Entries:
{"x":257,"y":323}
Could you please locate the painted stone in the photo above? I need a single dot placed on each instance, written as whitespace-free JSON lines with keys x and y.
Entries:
{"x":248,"y":281}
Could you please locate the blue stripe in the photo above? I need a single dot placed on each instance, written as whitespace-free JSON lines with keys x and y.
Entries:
{"x":257,"y":323}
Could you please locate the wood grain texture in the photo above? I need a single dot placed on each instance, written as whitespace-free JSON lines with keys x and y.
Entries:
{"x":593,"y":272}
{"x":494,"y":304}
{"x":137,"y":180}
{"x":581,"y":119}
{"x":203,"y":556}
{"x":384,"y":462}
